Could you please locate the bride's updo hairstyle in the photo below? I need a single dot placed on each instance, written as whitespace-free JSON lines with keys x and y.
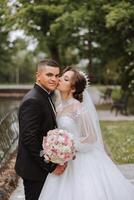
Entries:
{"x":79,"y":83}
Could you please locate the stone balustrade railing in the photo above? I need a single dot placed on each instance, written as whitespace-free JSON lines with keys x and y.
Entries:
{"x":8,"y":133}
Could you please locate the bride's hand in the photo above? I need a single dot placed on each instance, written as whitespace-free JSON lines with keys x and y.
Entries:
{"x":59,"y":169}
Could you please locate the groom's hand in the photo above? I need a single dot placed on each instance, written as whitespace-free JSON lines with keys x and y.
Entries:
{"x":60,"y":169}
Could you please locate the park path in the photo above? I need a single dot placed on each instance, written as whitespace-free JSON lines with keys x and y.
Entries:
{"x":126,"y":169}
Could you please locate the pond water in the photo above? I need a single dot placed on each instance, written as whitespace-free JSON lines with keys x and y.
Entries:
{"x":6,"y":105}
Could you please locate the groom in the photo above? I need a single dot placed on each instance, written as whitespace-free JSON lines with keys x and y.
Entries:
{"x":36,"y":118}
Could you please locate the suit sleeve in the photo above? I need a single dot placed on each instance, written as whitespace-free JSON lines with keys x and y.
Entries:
{"x":30,"y":119}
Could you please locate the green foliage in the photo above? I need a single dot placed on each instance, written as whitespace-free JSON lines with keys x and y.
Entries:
{"x":68,"y":31}
{"x":119,"y":18}
{"x":120,"y":15}
{"x":23,"y":65}
{"x":4,"y":45}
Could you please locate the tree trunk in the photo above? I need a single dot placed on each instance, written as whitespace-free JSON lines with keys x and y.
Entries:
{"x":55,"y":53}
{"x":89,"y":67}
{"x":17,"y":76}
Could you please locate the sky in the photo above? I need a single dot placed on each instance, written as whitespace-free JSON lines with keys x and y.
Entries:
{"x":32,"y":42}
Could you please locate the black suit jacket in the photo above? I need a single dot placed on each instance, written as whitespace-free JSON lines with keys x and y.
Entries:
{"x":36,"y":118}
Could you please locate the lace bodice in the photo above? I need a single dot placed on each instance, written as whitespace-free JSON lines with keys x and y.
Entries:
{"x":72,"y":116}
{"x":67,"y":116}
{"x":69,"y":124}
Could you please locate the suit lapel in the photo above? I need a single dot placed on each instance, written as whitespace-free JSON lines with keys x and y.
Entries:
{"x":52,"y":112}
{"x":46,"y":96}
{"x":52,"y":105}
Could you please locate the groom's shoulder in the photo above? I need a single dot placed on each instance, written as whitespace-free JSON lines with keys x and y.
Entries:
{"x":32,"y":95}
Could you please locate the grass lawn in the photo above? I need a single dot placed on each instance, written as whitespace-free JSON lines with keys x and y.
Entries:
{"x":103,"y":106}
{"x":119,"y":136}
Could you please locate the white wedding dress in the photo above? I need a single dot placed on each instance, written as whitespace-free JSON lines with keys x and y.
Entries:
{"x":92,"y":175}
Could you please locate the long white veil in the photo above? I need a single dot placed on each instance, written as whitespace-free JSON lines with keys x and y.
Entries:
{"x":93,"y":117}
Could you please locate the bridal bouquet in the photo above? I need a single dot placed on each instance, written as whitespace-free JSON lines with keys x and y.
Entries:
{"x":58,"y":146}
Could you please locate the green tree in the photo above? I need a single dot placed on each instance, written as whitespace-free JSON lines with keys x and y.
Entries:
{"x":36,"y":17}
{"x":23,"y":63}
{"x":5,"y":51}
{"x":68,"y":31}
{"x":120,"y":19}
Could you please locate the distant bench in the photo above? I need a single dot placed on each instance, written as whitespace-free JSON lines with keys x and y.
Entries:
{"x":120,"y":105}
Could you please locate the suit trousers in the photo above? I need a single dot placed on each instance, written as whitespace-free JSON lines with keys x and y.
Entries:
{"x":32,"y":189}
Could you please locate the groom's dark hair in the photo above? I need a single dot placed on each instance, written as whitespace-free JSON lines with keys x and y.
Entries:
{"x":47,"y":62}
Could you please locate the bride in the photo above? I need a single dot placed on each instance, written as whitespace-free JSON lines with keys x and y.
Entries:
{"x":92,"y":175}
